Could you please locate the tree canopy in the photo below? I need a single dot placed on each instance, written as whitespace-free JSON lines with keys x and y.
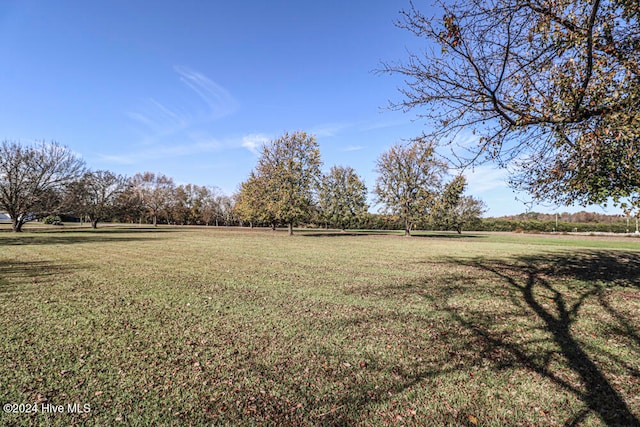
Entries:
{"x":549,"y":88}
{"x":252,"y":203}
{"x":31,"y":175}
{"x":409,"y":180}
{"x":288,"y":172}
{"x":454,"y":210}
{"x":156,"y":193}
{"x":342,"y":197}
{"x":96,"y":194}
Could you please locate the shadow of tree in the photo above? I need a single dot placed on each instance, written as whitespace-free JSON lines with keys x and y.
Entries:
{"x":387,"y":233}
{"x":74,"y":236}
{"x":539,"y":285}
{"x":336,"y":234}
{"x":609,"y":267}
{"x":16,"y":273}
{"x":538,"y":313}
{"x":355,"y":398}
{"x":339,"y":387}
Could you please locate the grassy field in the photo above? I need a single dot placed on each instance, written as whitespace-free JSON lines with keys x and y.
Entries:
{"x":193,"y":326}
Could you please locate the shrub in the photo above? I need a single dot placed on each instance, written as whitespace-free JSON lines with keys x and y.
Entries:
{"x":52,"y":220}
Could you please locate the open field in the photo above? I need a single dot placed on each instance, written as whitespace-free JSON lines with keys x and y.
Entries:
{"x":177,"y":326}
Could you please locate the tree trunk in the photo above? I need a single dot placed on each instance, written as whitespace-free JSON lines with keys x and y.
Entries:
{"x":94,"y":224}
{"x":407,"y":228}
{"x":273,"y":226}
{"x":290,"y":229}
{"x":16,"y":225}
{"x":155,"y":221}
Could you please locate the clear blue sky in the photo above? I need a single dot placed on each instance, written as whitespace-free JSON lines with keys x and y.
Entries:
{"x":192,"y":88}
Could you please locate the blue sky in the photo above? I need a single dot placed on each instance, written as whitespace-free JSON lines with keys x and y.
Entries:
{"x":192,"y":88}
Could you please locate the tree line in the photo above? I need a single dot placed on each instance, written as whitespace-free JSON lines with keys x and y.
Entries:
{"x":45,"y":179}
{"x":549,"y":89}
{"x":286,"y":188}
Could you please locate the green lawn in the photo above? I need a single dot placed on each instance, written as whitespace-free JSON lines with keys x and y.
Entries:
{"x":175,"y":326}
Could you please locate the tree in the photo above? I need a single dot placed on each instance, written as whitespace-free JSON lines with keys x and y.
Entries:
{"x":226,"y":210}
{"x":251,"y":202}
{"x":189,"y":203}
{"x":31,"y":175}
{"x":210,"y":205}
{"x":155,"y":193}
{"x":343,"y":196}
{"x":244,"y":206}
{"x":130,"y":204}
{"x":467,"y":213}
{"x":410,"y":177}
{"x":289,"y":169}
{"x":453,"y":210}
{"x":549,"y":87}
{"x":97,"y":195}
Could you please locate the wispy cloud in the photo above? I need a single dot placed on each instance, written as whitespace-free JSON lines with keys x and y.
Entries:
{"x":254,"y":142}
{"x":178,"y":126}
{"x":334,"y":129}
{"x":218,"y":100}
{"x":486,"y":177}
{"x":122,"y":159}
{"x":202,"y":101}
{"x":195,"y":146}
{"x":330,"y":129}
{"x":196,"y":142}
{"x":383,"y":124}
{"x":353,"y":148}
{"x":466,"y":140}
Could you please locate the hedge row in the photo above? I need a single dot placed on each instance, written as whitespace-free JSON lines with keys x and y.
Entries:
{"x":497,"y":224}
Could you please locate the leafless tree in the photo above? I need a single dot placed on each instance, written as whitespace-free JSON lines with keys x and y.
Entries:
{"x":31,"y":175}
{"x":155,"y":192}
{"x":96,"y":195}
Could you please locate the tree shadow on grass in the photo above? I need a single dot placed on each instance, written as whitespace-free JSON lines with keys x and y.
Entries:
{"x":531,"y":312}
{"x":74,"y":236}
{"x":15,"y":274}
{"x":450,"y":235}
{"x":608,"y":267}
{"x":352,"y":400}
{"x":342,"y":385}
{"x":335,"y":234}
{"x":542,"y":285}
{"x":549,"y":292}
{"x":389,"y":233}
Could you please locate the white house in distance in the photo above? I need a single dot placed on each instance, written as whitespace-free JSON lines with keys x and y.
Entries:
{"x":4,"y":217}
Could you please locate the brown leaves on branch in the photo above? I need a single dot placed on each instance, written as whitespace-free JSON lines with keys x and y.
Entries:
{"x":539,"y":84}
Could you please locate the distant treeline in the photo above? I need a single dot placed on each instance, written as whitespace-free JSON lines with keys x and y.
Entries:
{"x":577,"y":217}
{"x":526,"y":222}
{"x":516,"y":223}
{"x":566,"y":222}
{"x":534,"y":225}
